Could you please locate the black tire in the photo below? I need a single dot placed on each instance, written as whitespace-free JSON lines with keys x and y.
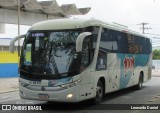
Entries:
{"x":99,"y":93}
{"x":140,"y":83}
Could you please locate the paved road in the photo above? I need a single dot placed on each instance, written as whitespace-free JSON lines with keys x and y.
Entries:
{"x":150,"y":94}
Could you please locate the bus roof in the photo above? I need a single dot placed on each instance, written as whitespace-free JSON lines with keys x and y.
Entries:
{"x":72,"y":23}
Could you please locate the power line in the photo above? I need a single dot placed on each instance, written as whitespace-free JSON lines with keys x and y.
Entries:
{"x":155,"y":43}
{"x":143,"y":27}
{"x":153,"y":34}
{"x":155,"y":37}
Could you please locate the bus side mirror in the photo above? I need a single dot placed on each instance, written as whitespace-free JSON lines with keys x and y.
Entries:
{"x":13,"y":42}
{"x":80,"y":39}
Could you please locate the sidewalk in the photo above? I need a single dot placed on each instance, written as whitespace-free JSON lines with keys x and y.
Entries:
{"x":8,"y":85}
{"x":156,"y":73}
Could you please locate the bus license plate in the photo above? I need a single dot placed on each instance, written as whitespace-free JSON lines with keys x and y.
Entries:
{"x":43,"y":96}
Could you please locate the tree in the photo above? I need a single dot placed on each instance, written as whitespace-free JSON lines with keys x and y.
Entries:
{"x":156,"y":54}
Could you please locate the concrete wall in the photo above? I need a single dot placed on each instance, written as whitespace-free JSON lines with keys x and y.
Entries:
{"x":2,"y":28}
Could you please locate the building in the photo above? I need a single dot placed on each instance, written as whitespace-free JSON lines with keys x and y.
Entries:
{"x":8,"y":61}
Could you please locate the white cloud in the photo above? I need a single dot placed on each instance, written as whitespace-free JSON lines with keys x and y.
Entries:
{"x":128,"y":12}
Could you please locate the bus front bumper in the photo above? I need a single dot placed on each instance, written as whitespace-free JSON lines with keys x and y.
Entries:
{"x":66,"y":95}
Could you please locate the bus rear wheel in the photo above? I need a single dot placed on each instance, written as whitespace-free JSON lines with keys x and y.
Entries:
{"x":99,"y":93}
{"x":140,"y":83}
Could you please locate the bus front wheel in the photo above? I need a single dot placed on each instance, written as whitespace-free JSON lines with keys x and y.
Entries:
{"x":99,"y":93}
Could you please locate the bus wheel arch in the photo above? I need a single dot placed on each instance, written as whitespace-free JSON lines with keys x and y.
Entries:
{"x":102,"y":79}
{"x":100,"y":91}
{"x":142,"y":74}
{"x":140,"y":81}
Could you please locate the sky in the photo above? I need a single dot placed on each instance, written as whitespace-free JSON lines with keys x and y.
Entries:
{"x":126,"y":12}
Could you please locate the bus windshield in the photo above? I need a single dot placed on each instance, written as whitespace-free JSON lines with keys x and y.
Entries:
{"x":49,"y":54}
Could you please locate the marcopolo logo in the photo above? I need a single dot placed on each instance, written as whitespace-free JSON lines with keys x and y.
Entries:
{"x":128,"y":64}
{"x":52,"y":82}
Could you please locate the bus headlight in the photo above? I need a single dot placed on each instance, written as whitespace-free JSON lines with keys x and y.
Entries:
{"x":71,"y":84}
{"x":69,"y":96}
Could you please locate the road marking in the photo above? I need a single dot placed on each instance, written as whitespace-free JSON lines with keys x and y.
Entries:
{"x":5,"y":97}
{"x":9,"y":99}
{"x":157,"y":96}
{"x":151,"y":100}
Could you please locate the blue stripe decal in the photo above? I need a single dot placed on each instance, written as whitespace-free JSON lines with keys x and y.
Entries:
{"x":8,"y":70}
{"x":128,"y":63}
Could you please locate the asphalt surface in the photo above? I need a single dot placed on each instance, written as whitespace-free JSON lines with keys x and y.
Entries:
{"x":150,"y":94}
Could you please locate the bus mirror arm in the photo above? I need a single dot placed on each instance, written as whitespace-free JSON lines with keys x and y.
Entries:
{"x":80,"y":39}
{"x":13,"y":42}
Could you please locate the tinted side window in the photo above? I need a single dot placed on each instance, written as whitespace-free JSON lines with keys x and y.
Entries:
{"x":130,"y":39}
{"x":106,"y":40}
{"x":148,"y":46}
{"x":122,"y":43}
{"x":113,"y":41}
{"x":142,"y":45}
{"x":110,"y":40}
{"x":137,"y":46}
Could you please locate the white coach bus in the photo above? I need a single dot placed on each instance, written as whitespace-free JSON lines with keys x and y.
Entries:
{"x":70,"y":60}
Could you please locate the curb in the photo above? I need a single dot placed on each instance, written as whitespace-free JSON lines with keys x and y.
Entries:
{"x":155,"y":75}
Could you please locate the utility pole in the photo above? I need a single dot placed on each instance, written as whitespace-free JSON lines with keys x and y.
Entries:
{"x":18,"y":27}
{"x":143,"y":27}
